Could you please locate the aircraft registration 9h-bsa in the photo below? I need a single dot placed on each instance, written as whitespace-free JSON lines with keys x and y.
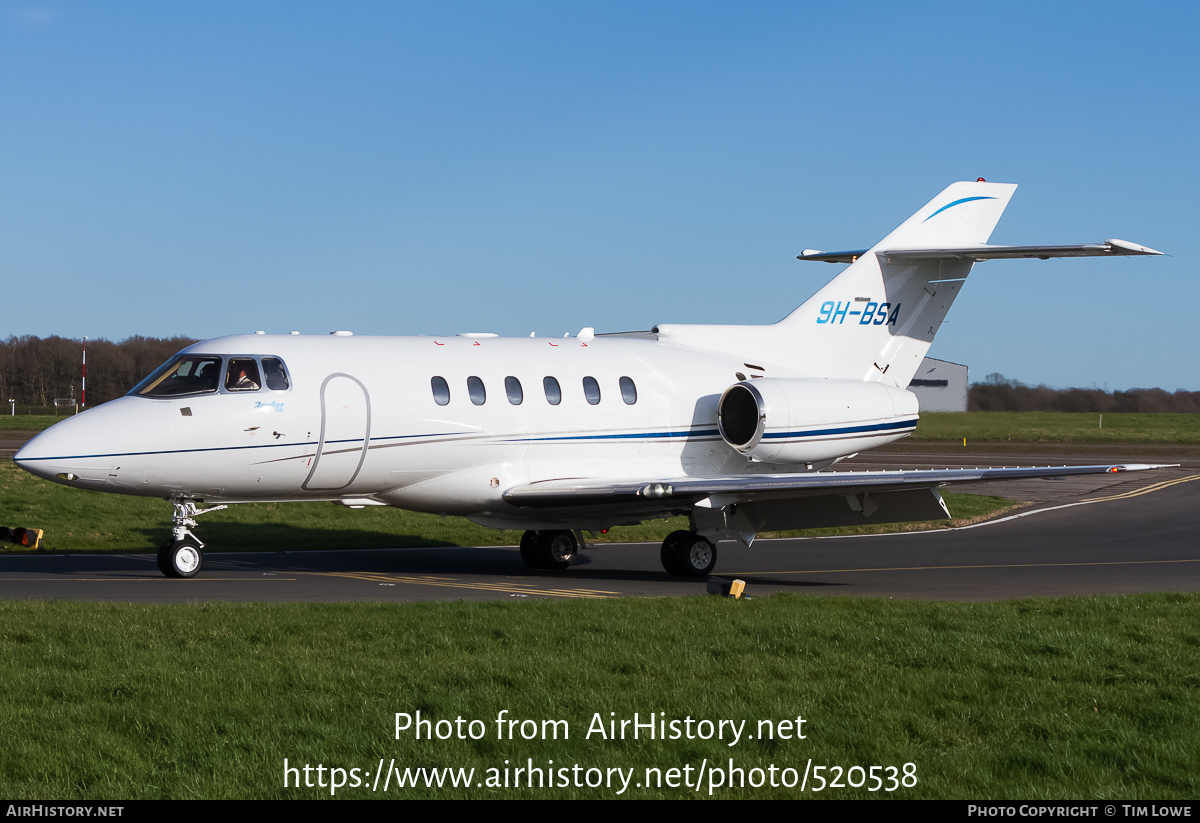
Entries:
{"x":732,"y":426}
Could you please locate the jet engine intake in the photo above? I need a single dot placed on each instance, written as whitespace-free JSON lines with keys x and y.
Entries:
{"x":779,"y":420}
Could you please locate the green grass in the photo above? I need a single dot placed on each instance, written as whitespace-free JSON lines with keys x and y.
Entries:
{"x":79,"y":521}
{"x":1082,"y":698}
{"x":28,"y":422}
{"x":1059,"y":427}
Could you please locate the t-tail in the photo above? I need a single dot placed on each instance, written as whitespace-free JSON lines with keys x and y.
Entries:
{"x":876,"y":320}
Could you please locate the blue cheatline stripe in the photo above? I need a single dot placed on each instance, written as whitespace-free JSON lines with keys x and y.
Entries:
{"x":876,"y":427}
{"x":952,"y":205}
{"x":168,"y":451}
{"x":233,"y":448}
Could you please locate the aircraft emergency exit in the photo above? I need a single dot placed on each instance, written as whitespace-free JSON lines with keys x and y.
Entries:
{"x":734,"y":427}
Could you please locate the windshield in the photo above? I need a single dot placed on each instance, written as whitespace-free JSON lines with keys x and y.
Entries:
{"x":188,"y":374}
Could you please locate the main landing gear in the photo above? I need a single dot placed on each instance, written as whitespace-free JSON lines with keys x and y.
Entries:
{"x":548,"y":549}
{"x":687,"y":554}
{"x":684,"y":553}
{"x":183,"y":554}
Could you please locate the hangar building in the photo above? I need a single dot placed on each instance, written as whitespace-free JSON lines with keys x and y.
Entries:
{"x":940,"y":386}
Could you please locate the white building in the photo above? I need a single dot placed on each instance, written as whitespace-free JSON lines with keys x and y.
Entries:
{"x":940,"y":386}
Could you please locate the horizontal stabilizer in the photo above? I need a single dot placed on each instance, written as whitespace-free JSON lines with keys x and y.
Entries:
{"x":1109,"y":248}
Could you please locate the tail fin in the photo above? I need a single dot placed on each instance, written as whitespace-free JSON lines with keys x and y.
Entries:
{"x":876,"y":319}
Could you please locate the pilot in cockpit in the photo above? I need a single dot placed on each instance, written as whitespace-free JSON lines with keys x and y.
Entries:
{"x":242,"y":376}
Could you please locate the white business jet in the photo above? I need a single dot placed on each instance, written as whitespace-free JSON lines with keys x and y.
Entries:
{"x":732,"y":426}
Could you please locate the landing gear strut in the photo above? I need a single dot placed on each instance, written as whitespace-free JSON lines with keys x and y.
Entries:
{"x":548,"y":549}
{"x":183,"y":554}
{"x":687,"y":554}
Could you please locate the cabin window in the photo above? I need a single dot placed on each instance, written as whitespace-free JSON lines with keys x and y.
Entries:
{"x":476,"y":391}
{"x":275,"y":373}
{"x":553,"y":392}
{"x":242,"y":375}
{"x":591,"y":390}
{"x":513,"y":387}
{"x":441,"y":391}
{"x":190,"y":374}
{"x":628,"y":391}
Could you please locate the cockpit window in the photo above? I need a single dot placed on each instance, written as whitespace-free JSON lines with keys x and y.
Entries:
{"x":189,"y":374}
{"x":242,"y":375}
{"x":275,"y":373}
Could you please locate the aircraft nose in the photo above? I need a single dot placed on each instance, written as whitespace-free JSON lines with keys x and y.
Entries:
{"x":76,"y":452}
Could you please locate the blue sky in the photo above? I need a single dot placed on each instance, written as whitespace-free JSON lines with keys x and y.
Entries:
{"x":407,"y":168}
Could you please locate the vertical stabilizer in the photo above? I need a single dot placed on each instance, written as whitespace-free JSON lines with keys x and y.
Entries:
{"x":876,"y":319}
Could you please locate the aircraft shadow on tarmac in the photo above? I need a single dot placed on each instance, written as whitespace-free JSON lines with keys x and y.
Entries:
{"x":263,"y":548}
{"x":612,"y":562}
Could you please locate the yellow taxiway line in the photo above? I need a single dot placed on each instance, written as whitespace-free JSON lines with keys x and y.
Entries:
{"x":449,"y":582}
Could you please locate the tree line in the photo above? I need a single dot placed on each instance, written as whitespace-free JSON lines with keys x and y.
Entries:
{"x":35,"y":371}
{"x":996,"y":393}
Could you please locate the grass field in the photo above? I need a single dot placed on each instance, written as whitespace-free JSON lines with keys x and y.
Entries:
{"x":1059,"y":427}
{"x":1084,"y":698}
{"x":28,"y":422}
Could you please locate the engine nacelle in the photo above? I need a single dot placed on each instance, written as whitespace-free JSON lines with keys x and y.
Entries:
{"x":810,"y":420}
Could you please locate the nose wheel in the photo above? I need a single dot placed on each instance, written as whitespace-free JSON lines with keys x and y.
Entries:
{"x":183,"y":555}
{"x":181,"y":558}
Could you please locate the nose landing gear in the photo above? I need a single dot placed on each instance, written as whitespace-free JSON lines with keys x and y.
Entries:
{"x":183,"y":555}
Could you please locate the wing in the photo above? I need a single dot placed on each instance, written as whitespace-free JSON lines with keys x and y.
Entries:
{"x":687,"y":491}
{"x":739,"y":506}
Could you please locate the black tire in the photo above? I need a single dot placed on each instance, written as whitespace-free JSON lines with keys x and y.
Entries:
{"x":184,"y":558}
{"x":556,"y":549}
{"x":687,"y":554}
{"x":529,"y":550}
{"x":164,"y":558}
{"x":698,"y":557}
{"x":669,"y":554}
